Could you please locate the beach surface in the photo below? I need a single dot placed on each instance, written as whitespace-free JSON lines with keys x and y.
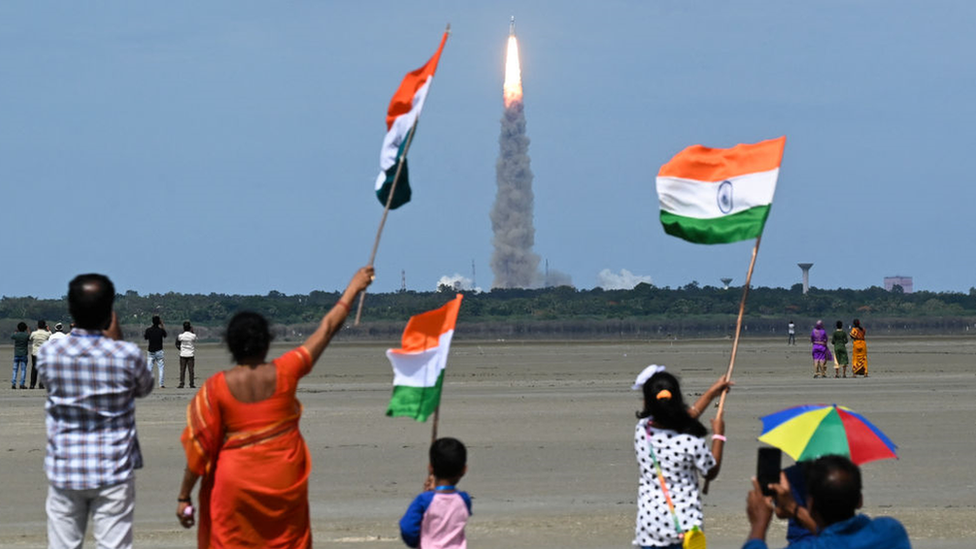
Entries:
{"x":549,"y":429}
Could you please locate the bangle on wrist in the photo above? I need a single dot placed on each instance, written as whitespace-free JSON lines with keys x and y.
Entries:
{"x":719,"y":437}
{"x":344,"y":305}
{"x":184,"y":500}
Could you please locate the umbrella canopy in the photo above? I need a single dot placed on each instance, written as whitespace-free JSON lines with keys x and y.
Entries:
{"x":813,"y":430}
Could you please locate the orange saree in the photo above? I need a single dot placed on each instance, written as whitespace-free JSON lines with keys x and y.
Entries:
{"x":253,"y":462}
{"x":859,"y":352}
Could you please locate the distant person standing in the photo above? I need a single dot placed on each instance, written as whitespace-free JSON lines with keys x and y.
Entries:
{"x":839,"y":341}
{"x":186,"y":343}
{"x":791,"y":330}
{"x":93,"y":379}
{"x":155,"y":334}
{"x":21,"y":343}
{"x":821,"y":354}
{"x":859,"y":348}
{"x":57,"y":333}
{"x":37,"y":338}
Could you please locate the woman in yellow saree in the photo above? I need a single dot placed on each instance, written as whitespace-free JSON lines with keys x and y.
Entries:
{"x":242,"y":438}
{"x":859,"y":350}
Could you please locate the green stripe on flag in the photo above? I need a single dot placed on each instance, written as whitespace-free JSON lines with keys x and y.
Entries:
{"x":720,"y":230}
{"x":401,"y":195}
{"x":415,"y":402}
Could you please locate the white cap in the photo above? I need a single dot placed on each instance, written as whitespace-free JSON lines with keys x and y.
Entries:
{"x":646,"y":374}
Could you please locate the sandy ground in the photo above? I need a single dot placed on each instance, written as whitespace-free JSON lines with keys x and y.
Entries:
{"x":549,"y":428}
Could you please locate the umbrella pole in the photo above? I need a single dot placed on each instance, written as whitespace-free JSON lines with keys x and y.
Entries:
{"x":738,"y":330}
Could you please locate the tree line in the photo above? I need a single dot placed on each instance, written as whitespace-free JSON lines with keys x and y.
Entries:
{"x":558,"y":312}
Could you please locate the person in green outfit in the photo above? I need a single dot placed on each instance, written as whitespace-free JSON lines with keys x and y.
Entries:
{"x":21,"y":342}
{"x":839,"y":340}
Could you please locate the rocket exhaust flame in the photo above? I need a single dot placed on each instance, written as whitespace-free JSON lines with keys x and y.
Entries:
{"x":513,"y":73}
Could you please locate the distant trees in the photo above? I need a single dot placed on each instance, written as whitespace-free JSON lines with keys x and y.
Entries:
{"x":644,"y":311}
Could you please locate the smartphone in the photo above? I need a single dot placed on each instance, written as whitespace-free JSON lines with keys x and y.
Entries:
{"x":768,"y":468}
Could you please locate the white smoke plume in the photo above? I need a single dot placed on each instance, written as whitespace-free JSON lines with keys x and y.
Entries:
{"x":626,"y":280}
{"x":457,"y":283}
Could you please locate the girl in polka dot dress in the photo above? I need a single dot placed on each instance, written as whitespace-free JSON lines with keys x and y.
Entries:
{"x":679,"y":445}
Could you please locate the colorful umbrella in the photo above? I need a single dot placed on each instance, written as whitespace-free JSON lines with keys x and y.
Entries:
{"x":813,"y":430}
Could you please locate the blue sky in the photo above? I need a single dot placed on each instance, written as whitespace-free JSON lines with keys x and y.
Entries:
{"x":231,"y":147}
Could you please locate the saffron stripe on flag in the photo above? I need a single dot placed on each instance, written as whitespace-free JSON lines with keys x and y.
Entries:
{"x":708,"y":164}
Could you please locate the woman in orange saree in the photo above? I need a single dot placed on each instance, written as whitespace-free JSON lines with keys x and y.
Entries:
{"x":242,"y":438}
{"x":859,"y":350}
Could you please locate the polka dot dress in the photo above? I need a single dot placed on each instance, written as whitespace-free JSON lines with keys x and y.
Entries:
{"x":681,"y":458}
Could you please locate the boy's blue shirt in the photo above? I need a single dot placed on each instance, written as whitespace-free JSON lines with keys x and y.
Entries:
{"x":414,"y":517}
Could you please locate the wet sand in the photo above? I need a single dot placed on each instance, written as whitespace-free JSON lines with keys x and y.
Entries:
{"x":549,"y":430}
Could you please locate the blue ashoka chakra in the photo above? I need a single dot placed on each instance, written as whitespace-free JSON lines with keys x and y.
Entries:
{"x":725,"y":197}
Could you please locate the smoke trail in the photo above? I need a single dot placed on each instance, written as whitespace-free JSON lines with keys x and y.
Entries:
{"x":513,"y":262}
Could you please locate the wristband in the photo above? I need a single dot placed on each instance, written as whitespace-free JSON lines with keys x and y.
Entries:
{"x":719,"y":437}
{"x":184,"y":500}
{"x":344,"y":305}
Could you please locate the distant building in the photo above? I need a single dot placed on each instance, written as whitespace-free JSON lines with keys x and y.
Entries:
{"x":904,"y":281}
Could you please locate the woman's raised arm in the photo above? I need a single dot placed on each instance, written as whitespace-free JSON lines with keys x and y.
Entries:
{"x":333,"y":320}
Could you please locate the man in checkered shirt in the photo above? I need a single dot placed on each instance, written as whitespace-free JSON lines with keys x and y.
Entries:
{"x":92,"y":379}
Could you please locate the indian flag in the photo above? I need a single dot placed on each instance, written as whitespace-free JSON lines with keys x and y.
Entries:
{"x":418,"y":366}
{"x":401,"y":120}
{"x":714,"y":196}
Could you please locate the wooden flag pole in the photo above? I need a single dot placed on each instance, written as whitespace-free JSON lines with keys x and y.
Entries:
{"x":738,"y":324}
{"x":389,"y":200}
{"x":386,"y":211}
{"x":738,"y":330}
{"x":433,"y":427}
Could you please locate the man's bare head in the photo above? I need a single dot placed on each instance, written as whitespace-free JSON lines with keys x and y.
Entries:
{"x":834,"y":488}
{"x":90,"y":299}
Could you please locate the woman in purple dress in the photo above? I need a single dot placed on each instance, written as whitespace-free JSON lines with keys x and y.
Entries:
{"x":821,"y":354}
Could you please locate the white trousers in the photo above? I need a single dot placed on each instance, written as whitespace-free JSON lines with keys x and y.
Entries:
{"x":110,"y":507}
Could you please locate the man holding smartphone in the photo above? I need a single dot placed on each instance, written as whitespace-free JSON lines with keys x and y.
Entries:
{"x":90,"y":375}
{"x":834,"y":496}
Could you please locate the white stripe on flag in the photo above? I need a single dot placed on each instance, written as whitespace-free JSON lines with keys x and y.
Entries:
{"x":700,"y":199}
{"x":398,"y":132}
{"x":420,"y":369}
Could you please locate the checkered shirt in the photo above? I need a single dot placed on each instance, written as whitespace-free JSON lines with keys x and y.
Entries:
{"x":92,"y":382}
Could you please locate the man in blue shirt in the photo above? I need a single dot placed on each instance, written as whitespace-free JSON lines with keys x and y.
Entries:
{"x":833,"y":498}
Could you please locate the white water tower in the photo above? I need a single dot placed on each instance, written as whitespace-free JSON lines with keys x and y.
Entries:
{"x":806,"y":275}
